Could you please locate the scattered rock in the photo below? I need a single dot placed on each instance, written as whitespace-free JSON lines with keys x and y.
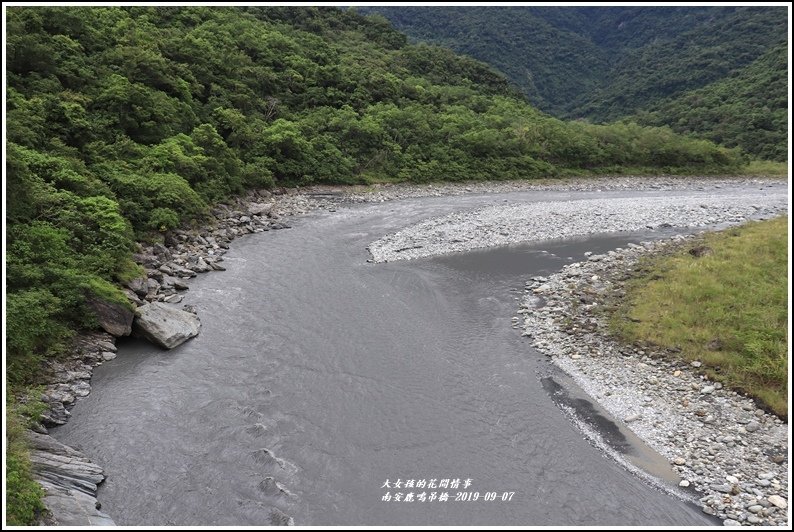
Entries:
{"x":714,"y":345}
{"x":701,"y":251}
{"x":778,"y":501}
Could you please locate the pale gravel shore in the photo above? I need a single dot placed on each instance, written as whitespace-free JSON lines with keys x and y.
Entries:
{"x":732,"y":454}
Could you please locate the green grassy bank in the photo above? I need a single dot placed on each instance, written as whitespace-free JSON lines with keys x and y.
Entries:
{"x":727,"y":308}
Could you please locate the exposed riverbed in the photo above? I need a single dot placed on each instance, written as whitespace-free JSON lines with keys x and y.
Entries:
{"x":318,"y":376}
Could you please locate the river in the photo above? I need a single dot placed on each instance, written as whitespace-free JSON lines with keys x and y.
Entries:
{"x":334,"y":376}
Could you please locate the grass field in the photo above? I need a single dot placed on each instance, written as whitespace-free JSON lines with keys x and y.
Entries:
{"x":727,"y":308}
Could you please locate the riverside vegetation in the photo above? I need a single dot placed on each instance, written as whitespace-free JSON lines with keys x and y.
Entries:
{"x":127,"y":123}
{"x":723,"y":304}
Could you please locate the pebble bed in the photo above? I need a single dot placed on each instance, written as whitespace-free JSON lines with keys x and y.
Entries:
{"x":731,"y":456}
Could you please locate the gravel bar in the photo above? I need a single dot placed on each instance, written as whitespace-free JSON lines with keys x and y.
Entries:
{"x":514,"y":223}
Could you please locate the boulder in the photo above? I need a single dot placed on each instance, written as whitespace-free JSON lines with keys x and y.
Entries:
{"x":164,"y":325}
{"x":114,"y":318}
{"x":147,"y":260}
{"x":139,"y":286}
{"x":260,"y":208}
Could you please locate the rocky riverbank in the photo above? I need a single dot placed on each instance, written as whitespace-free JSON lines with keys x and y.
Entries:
{"x":185,"y":253}
{"x":68,"y":477}
{"x":731,"y":453}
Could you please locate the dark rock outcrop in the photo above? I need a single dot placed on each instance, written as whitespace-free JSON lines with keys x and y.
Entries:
{"x":114,"y":318}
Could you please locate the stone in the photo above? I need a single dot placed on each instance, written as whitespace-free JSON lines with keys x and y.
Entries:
{"x":147,"y":260}
{"x":178,"y":284}
{"x":752,"y":426}
{"x":755,"y":508}
{"x":731,"y":522}
{"x":707,"y":390}
{"x":778,"y":501}
{"x":678,"y":460}
{"x":201,"y":266}
{"x":684,"y":483}
{"x":164,"y":325}
{"x":139,"y":286}
{"x":260,"y":208}
{"x":132,"y":297}
{"x":633,"y":417}
{"x":108,"y":355}
{"x":114,"y":318}
{"x":696,"y":363}
{"x":722,"y":488}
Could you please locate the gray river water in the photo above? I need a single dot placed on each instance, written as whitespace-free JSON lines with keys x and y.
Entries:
{"x":333,"y":375}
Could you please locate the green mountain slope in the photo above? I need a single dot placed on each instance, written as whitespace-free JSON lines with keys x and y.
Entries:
{"x":541,"y":57}
{"x":664,"y":68}
{"x":748,"y":109}
{"x":606,"y":63}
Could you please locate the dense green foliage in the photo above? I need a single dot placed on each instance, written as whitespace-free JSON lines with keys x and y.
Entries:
{"x":728,"y":309}
{"x":607,"y":63}
{"x":23,"y":494}
{"x":541,"y":57}
{"x":128,"y":122}
{"x":749,"y":109}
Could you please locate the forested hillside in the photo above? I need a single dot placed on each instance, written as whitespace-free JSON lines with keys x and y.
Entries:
{"x":748,"y":109}
{"x":606,"y":63}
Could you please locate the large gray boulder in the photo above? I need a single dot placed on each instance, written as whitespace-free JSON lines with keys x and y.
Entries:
{"x":165,"y":325}
{"x":114,"y":318}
